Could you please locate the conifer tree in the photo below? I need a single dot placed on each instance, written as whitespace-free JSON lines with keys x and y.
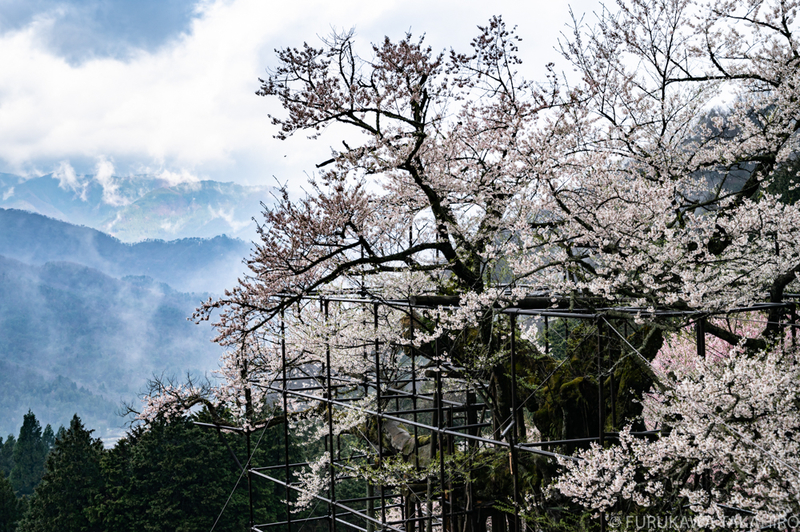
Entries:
{"x":29,"y":455}
{"x":9,"y":506}
{"x":7,"y":454}
{"x":48,"y":438}
{"x":176,"y":476}
{"x":72,"y":479}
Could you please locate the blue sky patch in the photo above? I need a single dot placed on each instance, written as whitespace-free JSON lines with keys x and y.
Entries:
{"x":84,"y":29}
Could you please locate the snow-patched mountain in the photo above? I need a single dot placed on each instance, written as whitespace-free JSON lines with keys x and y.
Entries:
{"x":139,"y":207}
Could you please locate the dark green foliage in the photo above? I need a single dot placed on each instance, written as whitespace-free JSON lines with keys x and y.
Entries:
{"x":49,"y":437}
{"x":177,"y":477}
{"x":172,"y":477}
{"x":10,"y":507}
{"x":565,"y":402}
{"x":72,"y":479}
{"x":784,"y":180}
{"x":29,"y":456}
{"x":7,"y":455}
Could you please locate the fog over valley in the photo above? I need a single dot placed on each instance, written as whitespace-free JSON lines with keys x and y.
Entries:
{"x":86,"y":319}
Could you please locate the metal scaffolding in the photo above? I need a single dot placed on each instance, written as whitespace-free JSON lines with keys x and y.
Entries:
{"x":441,"y":412}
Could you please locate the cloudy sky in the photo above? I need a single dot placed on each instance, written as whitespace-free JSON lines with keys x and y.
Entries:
{"x":154,"y":86}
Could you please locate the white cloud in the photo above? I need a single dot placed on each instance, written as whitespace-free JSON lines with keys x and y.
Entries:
{"x":69,"y":180}
{"x":170,"y":227}
{"x":104,"y":175}
{"x":8,"y":193}
{"x":229,"y":217}
{"x":176,"y":178}
{"x":189,"y":107}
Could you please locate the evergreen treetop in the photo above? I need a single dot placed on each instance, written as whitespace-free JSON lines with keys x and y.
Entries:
{"x":29,"y":454}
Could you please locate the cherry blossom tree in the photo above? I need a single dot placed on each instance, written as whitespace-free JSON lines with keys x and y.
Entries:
{"x":645,"y":186}
{"x":727,"y":456}
{"x":726,"y":418}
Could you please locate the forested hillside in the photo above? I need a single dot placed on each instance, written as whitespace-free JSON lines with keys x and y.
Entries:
{"x":75,"y":339}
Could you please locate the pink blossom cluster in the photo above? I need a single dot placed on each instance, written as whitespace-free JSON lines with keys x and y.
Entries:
{"x":728,"y":440}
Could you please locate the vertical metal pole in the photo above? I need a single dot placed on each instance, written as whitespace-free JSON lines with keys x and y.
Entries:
{"x":370,"y":485}
{"x":700,"y":330}
{"x":617,"y":355}
{"x":417,"y":514}
{"x":514,"y":418}
{"x":546,"y":336}
{"x":285,"y":424}
{"x":329,"y":394}
{"x":613,"y":403}
{"x":249,"y":478}
{"x":378,"y":420}
{"x":513,"y":326}
{"x":370,"y":505}
{"x":469,"y":493}
{"x":440,"y":437}
{"x":600,"y":392}
{"x":413,"y":383}
{"x":429,"y":503}
{"x":451,"y":494}
{"x":434,"y":443}
{"x":601,"y":415}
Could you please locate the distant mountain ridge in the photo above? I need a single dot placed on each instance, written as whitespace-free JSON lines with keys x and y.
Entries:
{"x":141,"y":207}
{"x":73,"y":339}
{"x":188,"y":265}
{"x":85,"y":318}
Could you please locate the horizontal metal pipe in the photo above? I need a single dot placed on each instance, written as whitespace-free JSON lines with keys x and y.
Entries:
{"x":421,"y":396}
{"x":215,"y":426}
{"x":534,"y":305}
{"x":281,"y":466}
{"x":429,"y":427}
{"x":373,"y":498}
{"x":557,"y":442}
{"x":304,"y":520}
{"x":326,"y":500}
{"x":299,"y":464}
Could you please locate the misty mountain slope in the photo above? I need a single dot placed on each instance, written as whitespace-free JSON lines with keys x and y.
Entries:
{"x":189,"y":265}
{"x":204,"y":209}
{"x":74,"y":339}
{"x":139,"y":207}
{"x":82,"y":205}
{"x":52,"y":400}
